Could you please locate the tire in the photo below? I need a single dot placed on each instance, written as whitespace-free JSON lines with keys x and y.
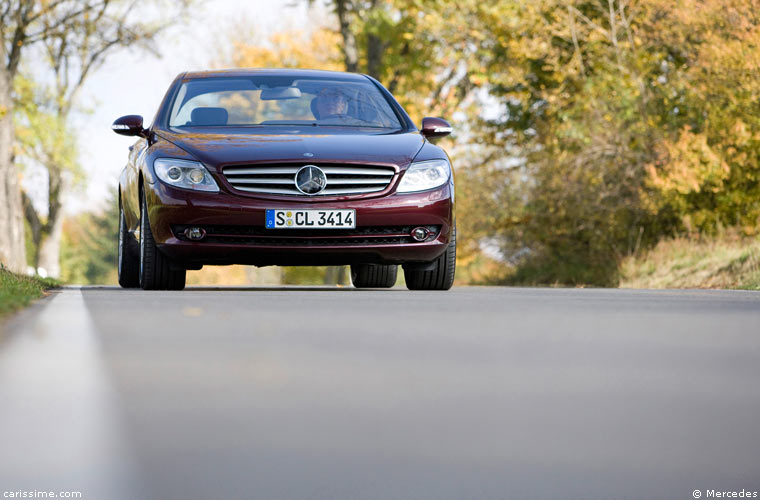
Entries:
{"x":156,"y":271}
{"x":373,"y":275}
{"x":441,"y":277}
{"x":128,"y":264}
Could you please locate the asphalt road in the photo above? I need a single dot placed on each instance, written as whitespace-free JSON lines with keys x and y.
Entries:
{"x":293,"y":393}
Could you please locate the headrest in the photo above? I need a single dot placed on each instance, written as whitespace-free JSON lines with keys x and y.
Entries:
{"x":208,"y":116}
{"x":314,"y":109}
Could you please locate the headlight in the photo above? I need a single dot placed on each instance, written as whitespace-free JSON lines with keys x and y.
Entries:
{"x":184,"y":174}
{"x":425,"y":175}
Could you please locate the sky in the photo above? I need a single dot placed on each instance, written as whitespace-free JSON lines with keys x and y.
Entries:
{"x":134,"y":82}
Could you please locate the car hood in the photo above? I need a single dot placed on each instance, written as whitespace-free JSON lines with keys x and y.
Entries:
{"x":231,"y":147}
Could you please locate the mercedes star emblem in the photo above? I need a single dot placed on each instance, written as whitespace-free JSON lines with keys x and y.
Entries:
{"x":310,"y":180}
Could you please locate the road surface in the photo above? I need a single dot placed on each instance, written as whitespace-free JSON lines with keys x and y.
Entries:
{"x":325,"y":393}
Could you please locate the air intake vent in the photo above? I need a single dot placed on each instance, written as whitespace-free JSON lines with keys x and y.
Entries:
{"x":257,"y":235}
{"x":281,"y":179}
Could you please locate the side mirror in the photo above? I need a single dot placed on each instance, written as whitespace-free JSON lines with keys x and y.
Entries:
{"x":435,"y":127}
{"x":129,"y":125}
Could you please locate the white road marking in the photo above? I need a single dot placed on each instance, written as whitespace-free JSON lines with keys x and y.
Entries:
{"x":60,"y":428}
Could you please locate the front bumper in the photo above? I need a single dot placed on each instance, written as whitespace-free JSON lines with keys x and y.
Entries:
{"x":171,"y":209}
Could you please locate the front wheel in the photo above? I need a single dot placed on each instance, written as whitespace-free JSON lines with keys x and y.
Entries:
{"x":156,"y":270}
{"x":441,"y":276}
{"x":128,"y":266}
{"x":373,"y":275}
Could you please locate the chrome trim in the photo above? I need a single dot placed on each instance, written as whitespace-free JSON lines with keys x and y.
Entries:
{"x":336,"y":182}
{"x":260,"y":170}
{"x":359,"y":171}
{"x":341,"y":180}
{"x":269,"y":190}
{"x":353,"y":190}
{"x":263,"y":180}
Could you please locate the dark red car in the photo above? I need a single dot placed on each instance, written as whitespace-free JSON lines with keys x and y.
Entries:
{"x":285,"y":167}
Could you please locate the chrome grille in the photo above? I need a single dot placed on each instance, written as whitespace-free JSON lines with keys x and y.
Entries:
{"x":280,"y":179}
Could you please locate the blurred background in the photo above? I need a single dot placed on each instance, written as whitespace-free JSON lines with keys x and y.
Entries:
{"x":596,"y":143}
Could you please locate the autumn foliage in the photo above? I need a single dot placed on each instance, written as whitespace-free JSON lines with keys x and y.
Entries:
{"x":586,"y":130}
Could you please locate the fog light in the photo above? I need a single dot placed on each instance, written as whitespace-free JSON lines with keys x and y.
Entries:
{"x":420,"y":233}
{"x":195,"y":233}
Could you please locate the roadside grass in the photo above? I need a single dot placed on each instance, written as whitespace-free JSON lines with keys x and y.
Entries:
{"x":725,"y":261}
{"x":18,"y":291}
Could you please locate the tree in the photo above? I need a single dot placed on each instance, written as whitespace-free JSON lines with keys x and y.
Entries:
{"x":574,"y":109}
{"x":421,"y":50}
{"x":73,"y":54}
{"x":706,"y":171}
{"x":586,"y":130}
{"x":16,"y":21}
{"x":316,"y":49}
{"x":45,"y":140}
{"x":75,"y":36}
{"x":633,"y":120}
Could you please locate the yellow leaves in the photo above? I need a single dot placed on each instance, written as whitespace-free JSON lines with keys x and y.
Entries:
{"x":291,"y":49}
{"x":479,"y":79}
{"x":719,"y":40}
{"x":740,"y":133}
{"x":688,"y":165}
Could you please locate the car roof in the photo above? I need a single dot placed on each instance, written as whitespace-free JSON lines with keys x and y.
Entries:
{"x":297,"y":73}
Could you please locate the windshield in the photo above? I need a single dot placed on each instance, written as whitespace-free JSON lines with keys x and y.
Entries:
{"x":276,"y":100}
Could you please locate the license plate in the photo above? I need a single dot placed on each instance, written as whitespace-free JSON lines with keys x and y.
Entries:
{"x":310,"y":219}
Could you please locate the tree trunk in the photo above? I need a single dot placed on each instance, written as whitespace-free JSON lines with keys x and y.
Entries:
{"x":50,"y":248}
{"x":35,"y":228}
{"x":335,"y":275}
{"x":12,"y":249}
{"x":374,"y":56}
{"x":350,"y":51}
{"x":375,"y":48}
{"x":341,"y":279}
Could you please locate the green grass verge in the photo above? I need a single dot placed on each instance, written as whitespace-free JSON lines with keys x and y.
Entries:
{"x":18,"y":291}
